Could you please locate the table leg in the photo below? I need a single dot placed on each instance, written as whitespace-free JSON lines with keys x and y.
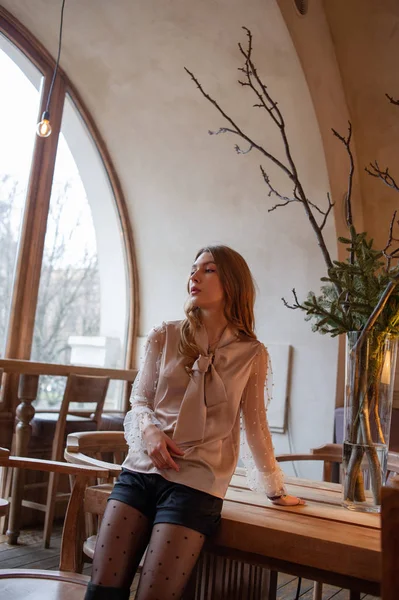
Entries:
{"x":317,"y":590}
{"x":27,"y":392}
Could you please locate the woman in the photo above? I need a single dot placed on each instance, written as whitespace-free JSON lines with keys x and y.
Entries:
{"x":183,"y":432}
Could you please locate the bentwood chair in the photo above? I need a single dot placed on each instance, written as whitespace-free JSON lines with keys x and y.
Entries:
{"x":67,"y":583}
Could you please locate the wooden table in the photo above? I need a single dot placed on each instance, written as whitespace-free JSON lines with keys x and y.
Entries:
{"x":29,"y":373}
{"x":322,"y":540}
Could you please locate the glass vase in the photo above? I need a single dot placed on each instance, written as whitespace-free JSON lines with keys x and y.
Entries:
{"x":370,"y":373}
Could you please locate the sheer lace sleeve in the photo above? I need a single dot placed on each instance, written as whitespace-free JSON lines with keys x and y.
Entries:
{"x":257,"y":453}
{"x":143,"y":391}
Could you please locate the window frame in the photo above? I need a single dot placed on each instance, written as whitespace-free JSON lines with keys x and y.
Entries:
{"x":33,"y":231}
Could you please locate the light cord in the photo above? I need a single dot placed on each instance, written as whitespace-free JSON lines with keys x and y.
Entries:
{"x":58,"y":59}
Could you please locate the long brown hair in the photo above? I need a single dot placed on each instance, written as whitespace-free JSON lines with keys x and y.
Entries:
{"x":239,"y":296}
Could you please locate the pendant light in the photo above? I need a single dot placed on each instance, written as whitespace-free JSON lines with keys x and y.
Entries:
{"x":44,"y":127}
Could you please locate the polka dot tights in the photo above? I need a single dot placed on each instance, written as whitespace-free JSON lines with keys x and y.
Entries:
{"x":124,"y":534}
{"x":171,"y":556}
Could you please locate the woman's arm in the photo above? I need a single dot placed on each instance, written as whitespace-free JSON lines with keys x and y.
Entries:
{"x":143,"y":390}
{"x":266,"y":473}
{"x":142,"y":428}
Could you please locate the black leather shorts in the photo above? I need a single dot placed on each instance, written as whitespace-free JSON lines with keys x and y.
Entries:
{"x":162,"y":501}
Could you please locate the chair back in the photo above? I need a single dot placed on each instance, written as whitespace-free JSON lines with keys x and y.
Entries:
{"x":79,"y":389}
{"x":332,"y":453}
{"x":328,"y":454}
{"x":390,"y":540}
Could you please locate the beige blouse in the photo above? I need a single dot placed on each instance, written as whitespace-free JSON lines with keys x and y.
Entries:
{"x":199,"y":408}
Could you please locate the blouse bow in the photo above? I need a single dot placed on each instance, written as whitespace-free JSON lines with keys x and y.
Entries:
{"x":205,"y":389}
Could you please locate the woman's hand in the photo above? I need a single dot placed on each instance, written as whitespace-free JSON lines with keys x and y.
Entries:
{"x":159,"y":448}
{"x":286,"y":500}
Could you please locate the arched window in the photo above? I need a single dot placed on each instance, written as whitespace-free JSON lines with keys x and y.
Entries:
{"x":66,"y":251}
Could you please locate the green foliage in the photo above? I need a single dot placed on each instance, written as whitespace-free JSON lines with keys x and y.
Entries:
{"x":352,"y":290}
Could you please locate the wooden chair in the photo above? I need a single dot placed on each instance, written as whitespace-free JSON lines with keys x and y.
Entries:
{"x":79,"y":389}
{"x":21,"y":584}
{"x":332,"y":453}
{"x":390,"y":540}
{"x":107,"y":449}
{"x":103,"y":449}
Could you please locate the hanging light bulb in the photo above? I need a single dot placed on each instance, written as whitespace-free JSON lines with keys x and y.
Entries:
{"x":43,"y":128}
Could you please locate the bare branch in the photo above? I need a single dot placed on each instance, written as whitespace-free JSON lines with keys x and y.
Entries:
{"x":279,"y":205}
{"x":392,"y":100}
{"x":227,"y":130}
{"x":223,"y":130}
{"x":330,"y":206}
{"x":254,"y":82}
{"x":236,"y":129}
{"x":348,"y":201}
{"x":394,"y":253}
{"x":271,"y":106}
{"x":239,"y":151}
{"x":385,"y":176}
{"x":390,"y":288}
{"x":264,"y":96}
{"x":273,"y":191}
{"x":296,"y":304}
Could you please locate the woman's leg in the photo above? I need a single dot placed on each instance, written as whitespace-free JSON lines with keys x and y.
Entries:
{"x":121,"y":542}
{"x":171,"y":556}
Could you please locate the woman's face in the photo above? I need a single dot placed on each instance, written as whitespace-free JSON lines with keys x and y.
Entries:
{"x":205,"y":287}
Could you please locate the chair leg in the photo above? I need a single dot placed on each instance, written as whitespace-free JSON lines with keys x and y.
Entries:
{"x":50,"y":508}
{"x":354,"y":595}
{"x":318,"y":590}
{"x":5,"y":492}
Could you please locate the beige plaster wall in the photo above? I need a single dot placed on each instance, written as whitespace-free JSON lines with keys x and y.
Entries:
{"x":184,"y":188}
{"x":366,"y":39}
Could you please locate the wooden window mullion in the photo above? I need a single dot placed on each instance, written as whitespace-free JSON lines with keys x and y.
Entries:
{"x":31,"y":244}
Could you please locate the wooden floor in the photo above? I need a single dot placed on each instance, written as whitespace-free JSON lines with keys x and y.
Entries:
{"x":30,"y":554}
